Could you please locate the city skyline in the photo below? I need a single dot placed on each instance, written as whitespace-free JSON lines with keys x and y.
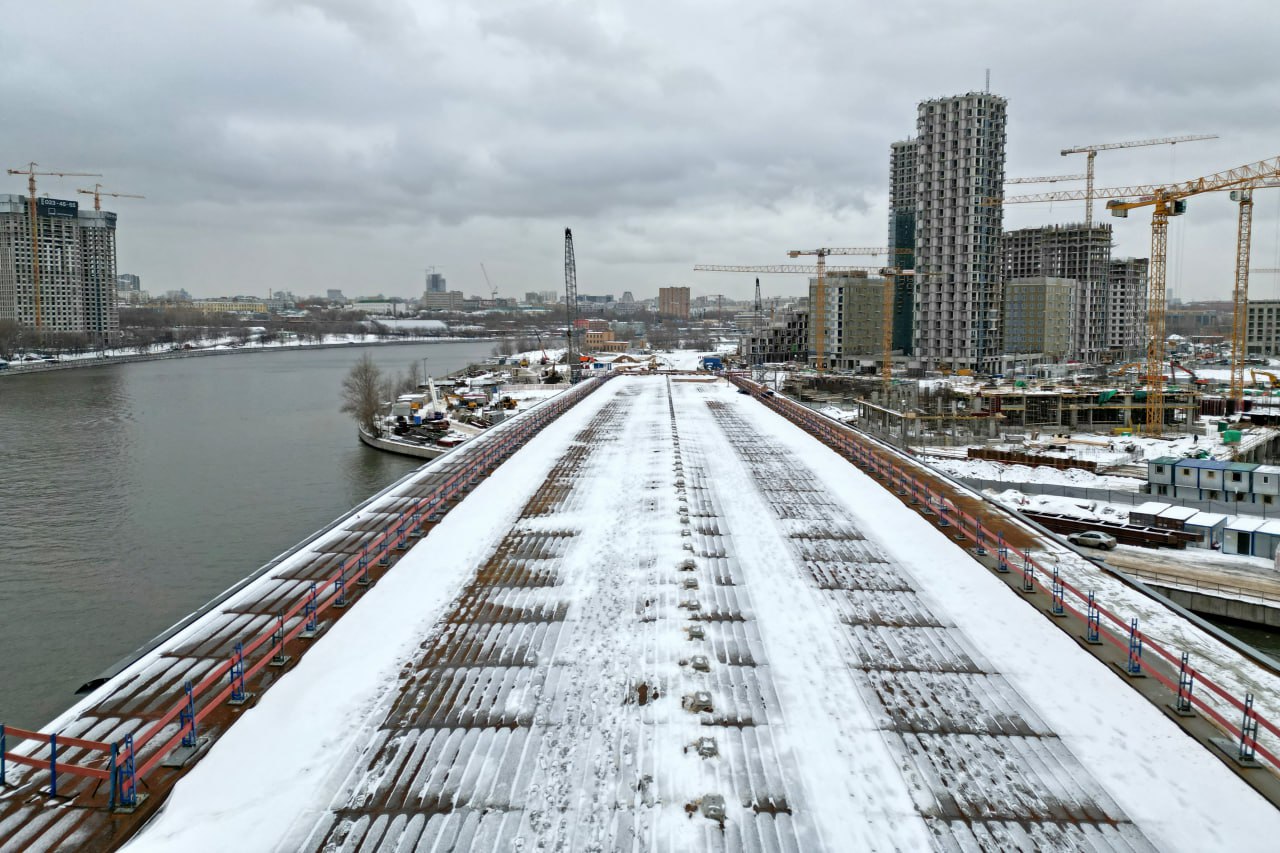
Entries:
{"x":383,"y":146}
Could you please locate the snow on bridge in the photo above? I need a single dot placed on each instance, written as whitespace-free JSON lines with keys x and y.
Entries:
{"x":674,"y":620}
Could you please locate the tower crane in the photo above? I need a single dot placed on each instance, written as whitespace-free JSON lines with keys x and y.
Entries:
{"x":758,"y":308}
{"x":1092,"y":151}
{"x":32,"y":213}
{"x":1171,"y":201}
{"x":97,"y":194}
{"x":570,"y":304}
{"x":493,"y":291}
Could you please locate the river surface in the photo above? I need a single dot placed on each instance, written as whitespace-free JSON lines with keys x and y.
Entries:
{"x":131,"y":495}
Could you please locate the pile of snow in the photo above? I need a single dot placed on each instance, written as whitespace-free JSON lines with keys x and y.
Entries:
{"x":1075,"y":507}
{"x":984,"y":469}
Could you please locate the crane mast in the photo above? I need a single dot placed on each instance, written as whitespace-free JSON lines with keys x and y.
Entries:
{"x":570,"y":303}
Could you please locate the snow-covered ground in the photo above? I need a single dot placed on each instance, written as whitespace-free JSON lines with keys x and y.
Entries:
{"x":1090,"y":510}
{"x":772,"y":512}
{"x":983,"y":469}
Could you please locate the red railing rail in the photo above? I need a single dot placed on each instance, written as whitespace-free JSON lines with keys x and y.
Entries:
{"x":901,"y":474}
{"x":482,"y":454}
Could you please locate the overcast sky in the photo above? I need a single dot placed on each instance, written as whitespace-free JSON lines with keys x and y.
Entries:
{"x":310,"y":144}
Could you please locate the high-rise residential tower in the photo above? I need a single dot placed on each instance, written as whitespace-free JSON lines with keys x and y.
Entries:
{"x":902,"y":237}
{"x":1075,"y":252}
{"x":959,"y":169}
{"x":77,"y":268}
{"x":1127,"y":306}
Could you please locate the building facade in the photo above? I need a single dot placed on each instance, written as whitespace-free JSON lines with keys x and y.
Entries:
{"x":436,"y":283}
{"x":902,"y":238}
{"x":854,"y":318}
{"x":674,"y":302}
{"x":959,"y":167}
{"x":1038,"y":316}
{"x":77,"y":290}
{"x":1072,"y":252}
{"x":783,"y":339}
{"x":1127,"y":328}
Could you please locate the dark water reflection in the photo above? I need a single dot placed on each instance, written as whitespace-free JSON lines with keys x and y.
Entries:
{"x":131,"y":495}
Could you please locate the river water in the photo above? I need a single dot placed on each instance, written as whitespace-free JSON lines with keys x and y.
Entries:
{"x":131,"y":495}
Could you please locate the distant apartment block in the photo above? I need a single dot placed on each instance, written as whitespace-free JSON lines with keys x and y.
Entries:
{"x":436,"y":283}
{"x":77,"y":268}
{"x":786,"y":338}
{"x":1071,"y":252}
{"x":959,"y":165}
{"x":1263,"y":327}
{"x":854,"y":317}
{"x":674,"y":302}
{"x":1038,"y":314}
{"x":1127,"y":306}
{"x":449,"y":301}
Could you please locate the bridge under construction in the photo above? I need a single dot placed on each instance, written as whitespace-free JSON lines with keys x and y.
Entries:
{"x":668,"y":612}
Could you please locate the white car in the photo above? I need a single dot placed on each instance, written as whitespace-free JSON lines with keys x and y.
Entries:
{"x":1093,"y":539}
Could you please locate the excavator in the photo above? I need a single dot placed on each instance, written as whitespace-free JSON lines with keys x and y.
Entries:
{"x":1271,"y":377}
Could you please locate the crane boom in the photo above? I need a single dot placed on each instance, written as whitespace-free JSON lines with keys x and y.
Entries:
{"x":1092,"y":152}
{"x":97,"y":194}
{"x":1045,"y":179}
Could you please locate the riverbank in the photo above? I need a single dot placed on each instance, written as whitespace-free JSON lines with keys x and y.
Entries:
{"x":41,"y":368}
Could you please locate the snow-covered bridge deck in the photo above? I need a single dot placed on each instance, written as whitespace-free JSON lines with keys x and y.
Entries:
{"x":676,"y":621}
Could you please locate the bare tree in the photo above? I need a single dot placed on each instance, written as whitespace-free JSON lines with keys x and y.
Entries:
{"x":362,"y":394}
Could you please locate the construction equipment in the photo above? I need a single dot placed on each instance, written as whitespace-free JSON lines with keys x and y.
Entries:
{"x":570,"y":306}
{"x":97,"y":194}
{"x":1171,"y":201}
{"x":1271,"y":377}
{"x":32,"y":214}
{"x":1092,"y":152}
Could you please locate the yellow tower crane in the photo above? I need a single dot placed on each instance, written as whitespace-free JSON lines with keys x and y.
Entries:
{"x":97,"y":194}
{"x":1092,"y":151}
{"x":33,"y":210}
{"x":1171,"y":201}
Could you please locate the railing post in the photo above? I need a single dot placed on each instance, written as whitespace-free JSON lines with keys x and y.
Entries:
{"x":980,"y":545}
{"x":278,"y":659}
{"x":341,"y":585}
{"x":1248,"y":731}
{"x":1185,"y":684}
{"x":126,"y":786}
{"x":1028,"y":574}
{"x":1057,"y":608}
{"x":53,"y":764}
{"x":312,"y":626}
{"x":1002,"y":555}
{"x":4,"y":778}
{"x":1135,"y":648}
{"x":1093,"y":622}
{"x":238,"y":696}
{"x":188,"y":716}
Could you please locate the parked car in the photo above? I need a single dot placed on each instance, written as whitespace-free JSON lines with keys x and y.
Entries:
{"x":1093,"y":539}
